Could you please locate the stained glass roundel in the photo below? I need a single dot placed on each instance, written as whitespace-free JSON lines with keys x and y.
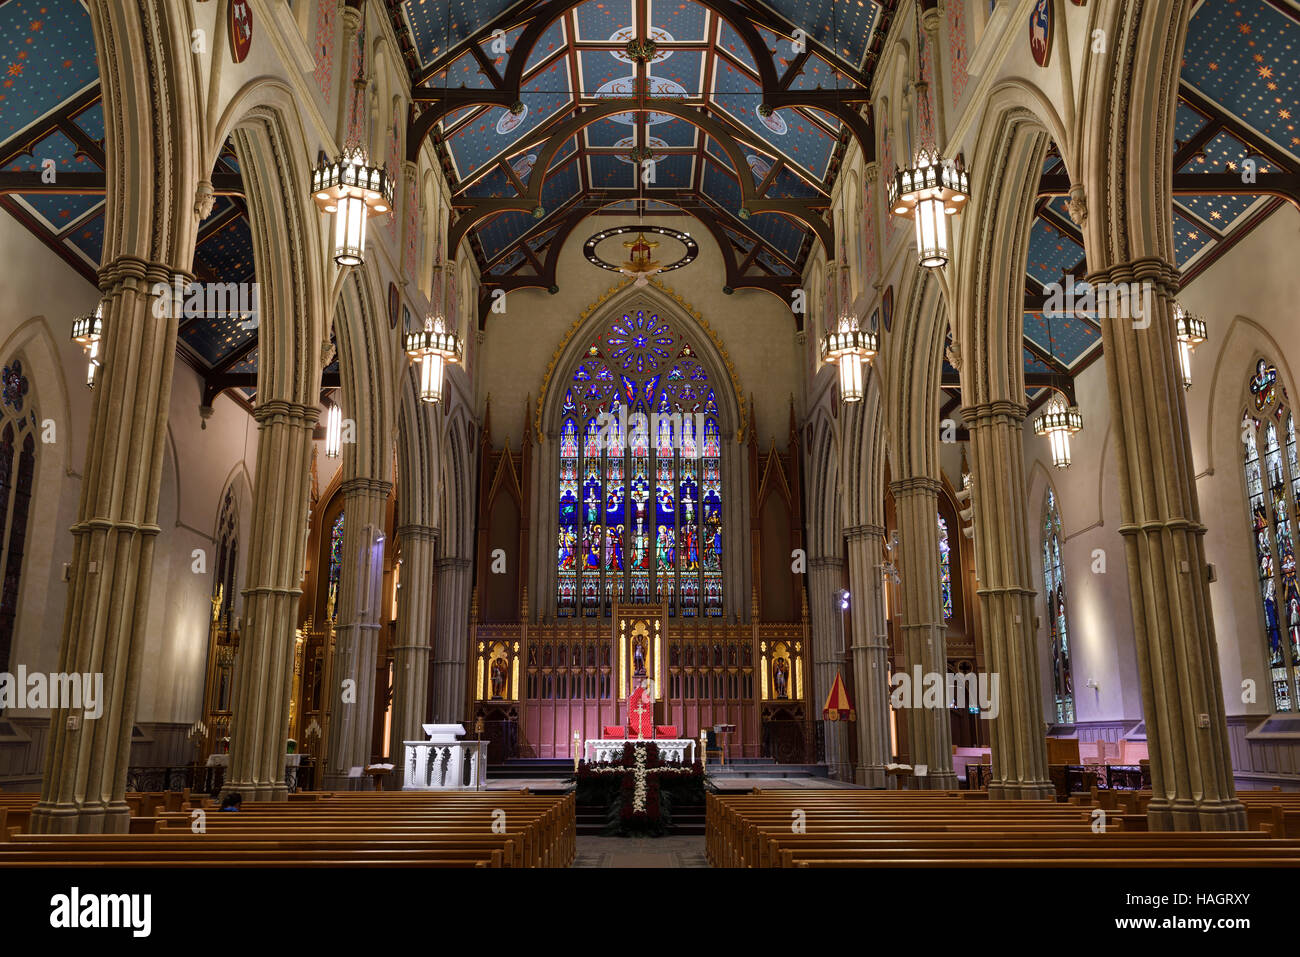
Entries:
{"x":639,"y":343}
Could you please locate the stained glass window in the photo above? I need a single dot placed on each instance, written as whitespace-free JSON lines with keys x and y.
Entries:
{"x":1272,"y":490}
{"x":639,"y":421}
{"x":1058,"y":634}
{"x":336,"y":565}
{"x":945,"y":570}
{"x":17,"y":468}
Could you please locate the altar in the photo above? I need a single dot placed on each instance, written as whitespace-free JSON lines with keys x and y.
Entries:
{"x":605,"y":750}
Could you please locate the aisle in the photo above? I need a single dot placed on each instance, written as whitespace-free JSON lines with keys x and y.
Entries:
{"x":640,"y":852}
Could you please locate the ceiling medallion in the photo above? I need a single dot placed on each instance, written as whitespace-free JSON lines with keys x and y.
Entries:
{"x":639,"y":51}
{"x":640,"y":243}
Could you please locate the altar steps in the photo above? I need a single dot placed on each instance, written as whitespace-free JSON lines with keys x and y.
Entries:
{"x":746,"y":768}
{"x":550,"y":768}
{"x":687,"y":822}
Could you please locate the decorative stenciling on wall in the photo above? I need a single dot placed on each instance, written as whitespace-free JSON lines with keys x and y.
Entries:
{"x":410,"y":255}
{"x":392,"y":160}
{"x":326,"y":11}
{"x":957,"y":53}
{"x":867,"y":240}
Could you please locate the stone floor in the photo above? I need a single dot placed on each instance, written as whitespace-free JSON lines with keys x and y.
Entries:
{"x":640,"y":852}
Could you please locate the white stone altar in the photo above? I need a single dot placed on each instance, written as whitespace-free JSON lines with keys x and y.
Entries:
{"x":604,"y":750}
{"x":442,"y":763}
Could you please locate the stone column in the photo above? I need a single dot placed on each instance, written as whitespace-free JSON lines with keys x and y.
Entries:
{"x":360,"y":612}
{"x":825,"y":578}
{"x":263,"y":681}
{"x":870,"y":654}
{"x":415,"y":604}
{"x":451,"y":640}
{"x":1006,"y":600}
{"x":916,"y":501}
{"x":112,"y":559}
{"x":1178,"y":659}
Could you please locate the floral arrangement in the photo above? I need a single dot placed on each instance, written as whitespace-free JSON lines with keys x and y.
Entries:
{"x":639,"y":801}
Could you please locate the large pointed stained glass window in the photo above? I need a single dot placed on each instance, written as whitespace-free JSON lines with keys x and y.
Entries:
{"x":640,"y":490}
{"x":1272,"y":491}
{"x":1058,"y":633}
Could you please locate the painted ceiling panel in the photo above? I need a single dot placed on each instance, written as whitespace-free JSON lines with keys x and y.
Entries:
{"x":503,"y":230}
{"x":1224,"y":153}
{"x":48,"y":54}
{"x":673,"y":172}
{"x":1189,"y":239}
{"x":57,"y":147}
{"x":845,"y":28}
{"x":599,"y":19}
{"x":552,"y":39}
{"x":88,"y":239}
{"x":1066,"y":338}
{"x":1051,"y":254}
{"x":228,"y":252}
{"x":606,"y":171}
{"x":560,"y":187}
{"x":1035,"y":364}
{"x":1188,"y":122}
{"x":685,"y":22}
{"x":729,"y":41}
{"x":214,"y":338}
{"x":492,"y":132}
{"x":58,"y":212}
{"x":793,"y":134}
{"x":780,"y":232}
{"x":1219,"y":212}
{"x":436,"y":27}
{"x":91,"y":121}
{"x":1245,"y":56}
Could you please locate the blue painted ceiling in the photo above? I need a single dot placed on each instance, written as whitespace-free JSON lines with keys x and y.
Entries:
{"x":700,"y":61}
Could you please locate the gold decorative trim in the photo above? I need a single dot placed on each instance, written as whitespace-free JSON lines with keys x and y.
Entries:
{"x":677,"y":297}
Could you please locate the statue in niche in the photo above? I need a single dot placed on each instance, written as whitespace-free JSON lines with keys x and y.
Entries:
{"x":498,"y":675}
{"x":781,"y":677}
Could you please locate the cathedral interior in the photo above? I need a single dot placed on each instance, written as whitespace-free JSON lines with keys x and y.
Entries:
{"x":882,"y":402}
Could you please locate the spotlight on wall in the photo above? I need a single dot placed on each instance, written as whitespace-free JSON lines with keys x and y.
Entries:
{"x":842,"y":596}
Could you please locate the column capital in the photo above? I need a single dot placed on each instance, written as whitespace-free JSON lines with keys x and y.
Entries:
{"x":125,"y":270}
{"x":1014,"y":413}
{"x":452,"y":564}
{"x":916,"y":484}
{"x":871,"y":172}
{"x":417,"y":533}
{"x":1165,"y":276}
{"x":820,"y":562}
{"x":299,"y":414}
{"x":360,"y":484}
{"x":857,"y":533}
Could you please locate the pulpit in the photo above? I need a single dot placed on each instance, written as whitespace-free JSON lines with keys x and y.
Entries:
{"x":442,"y":763}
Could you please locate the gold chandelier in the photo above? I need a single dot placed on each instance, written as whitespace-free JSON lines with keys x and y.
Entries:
{"x":431,"y":348}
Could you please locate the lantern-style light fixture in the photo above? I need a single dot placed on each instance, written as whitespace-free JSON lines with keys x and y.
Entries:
{"x":353,"y":190}
{"x":1058,"y":421}
{"x":333,"y":431}
{"x":848,"y":347}
{"x":431,"y":348}
{"x":932,"y":188}
{"x":928,"y":192}
{"x":350,"y":188}
{"x":1190,"y":331}
{"x":88,"y":332}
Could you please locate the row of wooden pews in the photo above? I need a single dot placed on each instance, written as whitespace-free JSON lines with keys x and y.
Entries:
{"x":350,"y":829}
{"x":847,"y":828}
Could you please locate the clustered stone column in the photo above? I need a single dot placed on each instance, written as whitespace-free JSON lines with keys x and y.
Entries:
{"x":415,"y":603}
{"x":916,"y":501}
{"x":84,"y":785}
{"x":1006,"y":600}
{"x":360,"y":612}
{"x":263,"y":681}
{"x":451,"y":639}
{"x":1164,"y":543}
{"x":870,"y":654}
{"x":825,"y":577}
